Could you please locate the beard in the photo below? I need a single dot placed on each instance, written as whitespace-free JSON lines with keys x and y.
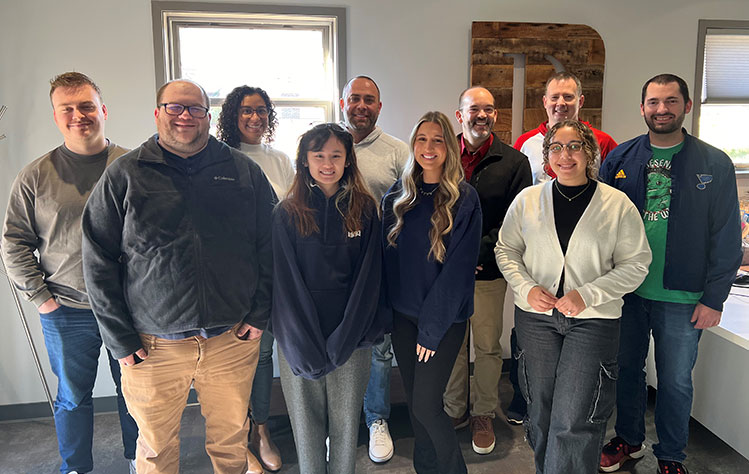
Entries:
{"x":666,"y":128}
{"x":184,"y":145}
{"x":480,"y":133}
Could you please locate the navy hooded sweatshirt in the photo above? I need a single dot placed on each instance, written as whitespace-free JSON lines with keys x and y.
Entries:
{"x":326,"y":287}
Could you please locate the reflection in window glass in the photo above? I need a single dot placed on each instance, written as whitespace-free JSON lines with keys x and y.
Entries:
{"x":293,"y":122}
{"x":724,"y":127}
{"x":286,"y":63}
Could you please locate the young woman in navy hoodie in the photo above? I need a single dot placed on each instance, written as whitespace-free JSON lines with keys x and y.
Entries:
{"x":326,"y":295}
{"x":431,"y":232}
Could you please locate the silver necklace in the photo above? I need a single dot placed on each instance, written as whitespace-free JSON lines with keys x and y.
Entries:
{"x":556,"y":183}
{"x":428,"y":193}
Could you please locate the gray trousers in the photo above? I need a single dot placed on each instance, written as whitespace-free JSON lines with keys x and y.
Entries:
{"x":327,"y":407}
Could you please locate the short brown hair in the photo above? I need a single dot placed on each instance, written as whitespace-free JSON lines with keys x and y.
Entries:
{"x":72,"y":80}
{"x":564,"y":76}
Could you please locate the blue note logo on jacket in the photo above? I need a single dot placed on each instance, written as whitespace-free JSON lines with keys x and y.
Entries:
{"x":704,"y":180}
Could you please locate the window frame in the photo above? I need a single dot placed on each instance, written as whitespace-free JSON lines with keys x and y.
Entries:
{"x":168,"y":16}
{"x":703,"y":27}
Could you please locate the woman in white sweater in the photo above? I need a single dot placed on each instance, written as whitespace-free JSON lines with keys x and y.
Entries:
{"x":248,"y":122}
{"x":570,"y":249}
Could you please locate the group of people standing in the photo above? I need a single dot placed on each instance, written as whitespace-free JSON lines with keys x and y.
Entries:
{"x":197,"y":251}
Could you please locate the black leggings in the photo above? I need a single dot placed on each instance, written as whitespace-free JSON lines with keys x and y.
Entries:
{"x":436,"y":448}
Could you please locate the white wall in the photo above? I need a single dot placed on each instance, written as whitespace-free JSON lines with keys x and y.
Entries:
{"x":416,"y":50}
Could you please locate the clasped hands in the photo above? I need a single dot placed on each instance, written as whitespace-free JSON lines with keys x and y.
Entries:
{"x":541,"y":300}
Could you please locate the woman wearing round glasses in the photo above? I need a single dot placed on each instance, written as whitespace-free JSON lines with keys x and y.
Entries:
{"x":248,"y":118}
{"x":570,"y":249}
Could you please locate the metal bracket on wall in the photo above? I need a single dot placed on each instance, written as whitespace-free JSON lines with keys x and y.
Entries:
{"x":26,"y":329}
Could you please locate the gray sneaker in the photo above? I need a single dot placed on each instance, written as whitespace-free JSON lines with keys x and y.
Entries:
{"x":131,"y":465}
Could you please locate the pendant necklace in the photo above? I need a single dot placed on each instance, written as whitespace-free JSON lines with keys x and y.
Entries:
{"x":428,"y":193}
{"x":556,"y":184}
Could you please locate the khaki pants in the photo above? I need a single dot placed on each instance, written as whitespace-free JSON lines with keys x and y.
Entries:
{"x":221,"y":369}
{"x":486,"y":322}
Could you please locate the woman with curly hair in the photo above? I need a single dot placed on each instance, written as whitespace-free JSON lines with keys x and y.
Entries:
{"x":570,"y":249}
{"x":248,"y":122}
{"x":248,"y":118}
{"x":327,"y":272}
{"x":431,"y":233}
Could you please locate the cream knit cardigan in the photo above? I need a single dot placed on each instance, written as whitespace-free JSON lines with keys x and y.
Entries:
{"x":608,"y":253}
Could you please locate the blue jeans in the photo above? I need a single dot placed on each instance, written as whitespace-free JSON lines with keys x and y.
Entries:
{"x":377,"y":397}
{"x":676,"y":342}
{"x":73,"y":345}
{"x":261,"y":386}
{"x":567,"y":370}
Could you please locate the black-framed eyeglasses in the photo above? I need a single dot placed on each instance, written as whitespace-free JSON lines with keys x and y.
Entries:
{"x":196,"y":111}
{"x":261,"y":112}
{"x":572,"y":147}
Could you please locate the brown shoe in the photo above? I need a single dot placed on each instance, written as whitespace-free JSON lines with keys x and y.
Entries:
{"x":460,"y":423}
{"x":253,"y":465}
{"x":482,"y":434}
{"x":262,"y":444}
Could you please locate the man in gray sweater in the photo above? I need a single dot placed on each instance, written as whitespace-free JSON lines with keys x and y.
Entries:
{"x":44,"y":216}
{"x":381,"y":159}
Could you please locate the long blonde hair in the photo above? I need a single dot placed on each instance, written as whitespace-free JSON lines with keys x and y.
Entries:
{"x":445,"y":195}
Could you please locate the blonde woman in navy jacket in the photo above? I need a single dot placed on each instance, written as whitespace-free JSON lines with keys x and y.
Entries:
{"x":431,"y":232}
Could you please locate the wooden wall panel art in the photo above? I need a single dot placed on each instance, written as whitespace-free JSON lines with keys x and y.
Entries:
{"x":547,"y":47}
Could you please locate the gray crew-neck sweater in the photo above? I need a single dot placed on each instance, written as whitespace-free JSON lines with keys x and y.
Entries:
{"x":44,"y":215}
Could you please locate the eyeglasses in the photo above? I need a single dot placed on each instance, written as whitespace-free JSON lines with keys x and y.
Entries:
{"x":196,"y":111}
{"x":488,"y":110}
{"x":261,"y":112}
{"x":571,"y":147}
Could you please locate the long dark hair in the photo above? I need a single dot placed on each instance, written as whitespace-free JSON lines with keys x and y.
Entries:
{"x":227,"y":129}
{"x":354,"y":202}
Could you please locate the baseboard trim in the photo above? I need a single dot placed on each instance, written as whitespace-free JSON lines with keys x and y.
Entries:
{"x":27,"y":411}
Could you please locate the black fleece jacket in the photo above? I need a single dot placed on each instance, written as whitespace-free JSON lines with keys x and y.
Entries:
{"x":169,"y":249}
{"x":498,"y":178}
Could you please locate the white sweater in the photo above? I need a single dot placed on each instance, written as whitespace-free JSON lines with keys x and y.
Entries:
{"x":274,"y":163}
{"x":608,"y":253}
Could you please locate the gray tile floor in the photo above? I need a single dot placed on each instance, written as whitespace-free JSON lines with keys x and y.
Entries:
{"x":30,"y":446}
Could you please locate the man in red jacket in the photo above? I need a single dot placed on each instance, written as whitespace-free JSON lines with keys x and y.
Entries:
{"x":563,"y":100}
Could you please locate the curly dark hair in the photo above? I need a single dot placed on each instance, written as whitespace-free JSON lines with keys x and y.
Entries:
{"x":590,"y":145}
{"x":227,"y":129}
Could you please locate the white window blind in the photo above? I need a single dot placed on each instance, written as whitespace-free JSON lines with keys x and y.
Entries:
{"x":726,"y":66}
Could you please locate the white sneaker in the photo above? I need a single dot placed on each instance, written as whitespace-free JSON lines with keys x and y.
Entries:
{"x":131,"y":465}
{"x":380,"y":442}
{"x":327,"y":449}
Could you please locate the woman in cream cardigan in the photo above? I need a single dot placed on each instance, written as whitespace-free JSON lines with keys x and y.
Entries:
{"x":570,"y":249}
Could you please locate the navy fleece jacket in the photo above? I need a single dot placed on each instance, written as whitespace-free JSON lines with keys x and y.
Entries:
{"x":436,"y":294}
{"x":326,"y":288}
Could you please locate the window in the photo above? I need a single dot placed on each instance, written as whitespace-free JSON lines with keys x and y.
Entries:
{"x":294,"y":53}
{"x":721,"y":102}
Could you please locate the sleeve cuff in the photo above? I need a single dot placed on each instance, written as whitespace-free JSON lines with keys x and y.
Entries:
{"x":427,"y":342}
{"x":39,"y":298}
